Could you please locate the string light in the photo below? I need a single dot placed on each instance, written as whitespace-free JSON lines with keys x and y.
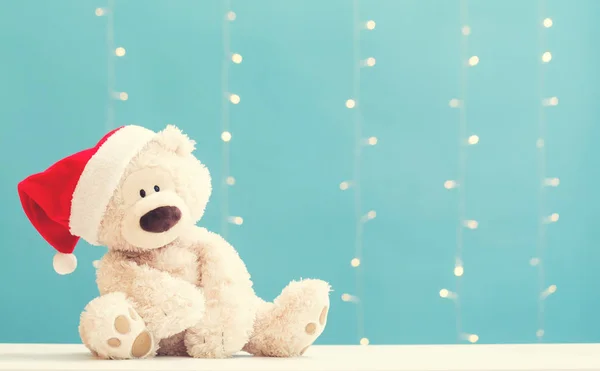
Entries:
{"x":551,"y":182}
{"x":450,"y":184}
{"x":552,"y":218}
{"x":447,"y":294}
{"x":471,"y":224}
{"x":237,"y":220}
{"x":370,"y":62}
{"x":539,"y":143}
{"x":236,"y":58}
{"x":228,"y":57}
{"x":349,"y":298}
{"x":464,"y":141}
{"x":545,"y":182}
{"x":548,"y":291}
{"x":454,"y":103}
{"x":360,"y":217}
{"x":234,"y":98}
{"x":120,"y":51}
{"x":368,"y":216}
{"x":459,"y":270}
{"x":546,"y":57}
{"x":471,"y":338}
{"x":226,"y":136}
{"x":100,"y":12}
{"x":552,"y":101}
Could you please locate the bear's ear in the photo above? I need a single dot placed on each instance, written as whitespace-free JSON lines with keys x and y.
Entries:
{"x":173,"y":139}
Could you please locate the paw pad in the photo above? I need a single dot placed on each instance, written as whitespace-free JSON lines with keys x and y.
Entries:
{"x":141,"y":345}
{"x":311,"y":328}
{"x":114,"y":342}
{"x":133,"y":314}
{"x":122,"y":324}
{"x":132,"y":340}
{"x":323,"y":316}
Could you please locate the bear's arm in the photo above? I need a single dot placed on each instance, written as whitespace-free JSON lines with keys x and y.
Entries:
{"x":167,"y":304}
{"x":231,"y":303}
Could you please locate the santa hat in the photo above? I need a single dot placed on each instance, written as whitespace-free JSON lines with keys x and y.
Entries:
{"x":68,"y":200}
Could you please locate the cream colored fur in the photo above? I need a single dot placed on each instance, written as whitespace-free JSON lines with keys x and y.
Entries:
{"x":186,"y":291}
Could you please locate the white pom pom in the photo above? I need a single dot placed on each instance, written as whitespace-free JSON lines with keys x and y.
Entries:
{"x":64,"y":263}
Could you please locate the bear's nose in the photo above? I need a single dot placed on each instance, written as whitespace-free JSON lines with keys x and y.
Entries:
{"x":160,"y":219}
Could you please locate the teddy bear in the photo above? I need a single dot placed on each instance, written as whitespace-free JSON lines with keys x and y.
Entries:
{"x":167,"y":286}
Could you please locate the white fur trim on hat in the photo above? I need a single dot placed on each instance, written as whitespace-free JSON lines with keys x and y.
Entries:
{"x":100,"y":178}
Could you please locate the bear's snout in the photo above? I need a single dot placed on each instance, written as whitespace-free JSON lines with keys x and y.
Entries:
{"x":160,"y":219}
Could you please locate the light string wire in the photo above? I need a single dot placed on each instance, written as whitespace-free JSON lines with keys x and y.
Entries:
{"x":110,"y":46}
{"x":541,"y":238}
{"x":227,"y":98}
{"x":112,"y":54}
{"x":225,"y":166}
{"x":358,"y":241}
{"x":543,"y":218}
{"x":464,"y":141}
{"x":462,"y":166}
{"x":360,"y":218}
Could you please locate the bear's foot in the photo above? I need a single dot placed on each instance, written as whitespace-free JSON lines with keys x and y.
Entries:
{"x":290,"y":325}
{"x":112,"y":329}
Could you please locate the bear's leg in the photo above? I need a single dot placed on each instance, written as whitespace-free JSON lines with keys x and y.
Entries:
{"x":291,"y":324}
{"x":112,"y":329}
{"x":223,"y":336}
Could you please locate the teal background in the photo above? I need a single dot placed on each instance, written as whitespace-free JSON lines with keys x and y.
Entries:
{"x":293,"y":143}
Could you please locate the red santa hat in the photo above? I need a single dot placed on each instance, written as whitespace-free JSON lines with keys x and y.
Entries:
{"x":68,"y":200}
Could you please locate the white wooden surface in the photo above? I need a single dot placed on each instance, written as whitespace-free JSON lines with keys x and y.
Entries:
{"x":555,"y":357}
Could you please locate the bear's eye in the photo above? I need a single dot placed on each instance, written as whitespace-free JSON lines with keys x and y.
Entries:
{"x":142,"y":193}
{"x":156,"y":188}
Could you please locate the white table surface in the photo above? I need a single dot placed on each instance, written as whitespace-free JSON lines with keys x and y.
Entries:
{"x":552,"y":357}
